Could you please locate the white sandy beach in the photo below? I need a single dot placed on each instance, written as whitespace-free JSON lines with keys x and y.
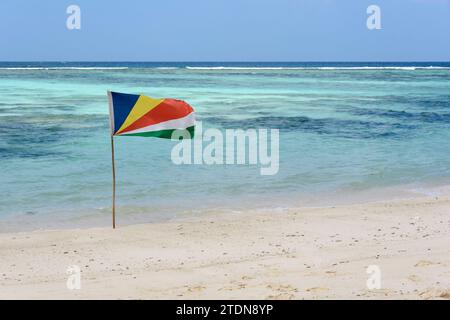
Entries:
{"x":306,"y":253}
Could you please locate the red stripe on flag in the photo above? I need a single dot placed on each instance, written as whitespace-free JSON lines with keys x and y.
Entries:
{"x":168,"y":109}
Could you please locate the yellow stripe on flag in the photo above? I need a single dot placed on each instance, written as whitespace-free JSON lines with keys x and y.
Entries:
{"x":143,"y":105}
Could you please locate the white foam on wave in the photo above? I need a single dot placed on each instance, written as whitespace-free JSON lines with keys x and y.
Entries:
{"x":245,"y":68}
{"x":410,"y":68}
{"x":64,"y":68}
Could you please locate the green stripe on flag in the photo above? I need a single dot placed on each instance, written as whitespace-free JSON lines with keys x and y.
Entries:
{"x":165,"y":134}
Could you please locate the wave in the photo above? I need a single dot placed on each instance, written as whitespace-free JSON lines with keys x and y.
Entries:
{"x":64,"y":68}
{"x":245,"y":68}
{"x":218,"y":68}
{"x":412,"y":68}
{"x":356,"y":129}
{"x":385,"y":68}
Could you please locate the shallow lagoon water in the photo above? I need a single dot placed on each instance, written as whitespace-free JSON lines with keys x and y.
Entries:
{"x":345,"y":129}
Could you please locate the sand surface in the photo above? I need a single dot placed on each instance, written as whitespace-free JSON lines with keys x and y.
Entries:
{"x":305,"y":253}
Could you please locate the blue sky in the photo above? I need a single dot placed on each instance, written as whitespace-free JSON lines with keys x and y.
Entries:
{"x":225,"y":30}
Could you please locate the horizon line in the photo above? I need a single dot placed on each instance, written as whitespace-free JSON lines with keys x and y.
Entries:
{"x":231,"y":61}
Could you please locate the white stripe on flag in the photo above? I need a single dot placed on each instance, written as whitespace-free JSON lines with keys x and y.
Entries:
{"x":180,"y":123}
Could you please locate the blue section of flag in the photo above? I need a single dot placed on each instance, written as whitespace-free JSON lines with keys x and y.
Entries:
{"x":122,"y":103}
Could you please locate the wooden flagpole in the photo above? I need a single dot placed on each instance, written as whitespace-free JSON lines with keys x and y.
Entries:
{"x":113,"y":185}
{"x":111,"y":119}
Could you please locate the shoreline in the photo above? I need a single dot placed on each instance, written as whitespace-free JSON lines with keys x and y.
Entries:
{"x":100,"y":217}
{"x":300,"y":253}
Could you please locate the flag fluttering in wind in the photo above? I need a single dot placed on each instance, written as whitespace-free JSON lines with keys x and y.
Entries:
{"x":139,"y":115}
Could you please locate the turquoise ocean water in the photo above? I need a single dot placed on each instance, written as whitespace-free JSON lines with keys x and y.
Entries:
{"x":345,"y":129}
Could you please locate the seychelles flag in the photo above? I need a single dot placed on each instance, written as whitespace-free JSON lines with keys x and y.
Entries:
{"x":139,"y":115}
